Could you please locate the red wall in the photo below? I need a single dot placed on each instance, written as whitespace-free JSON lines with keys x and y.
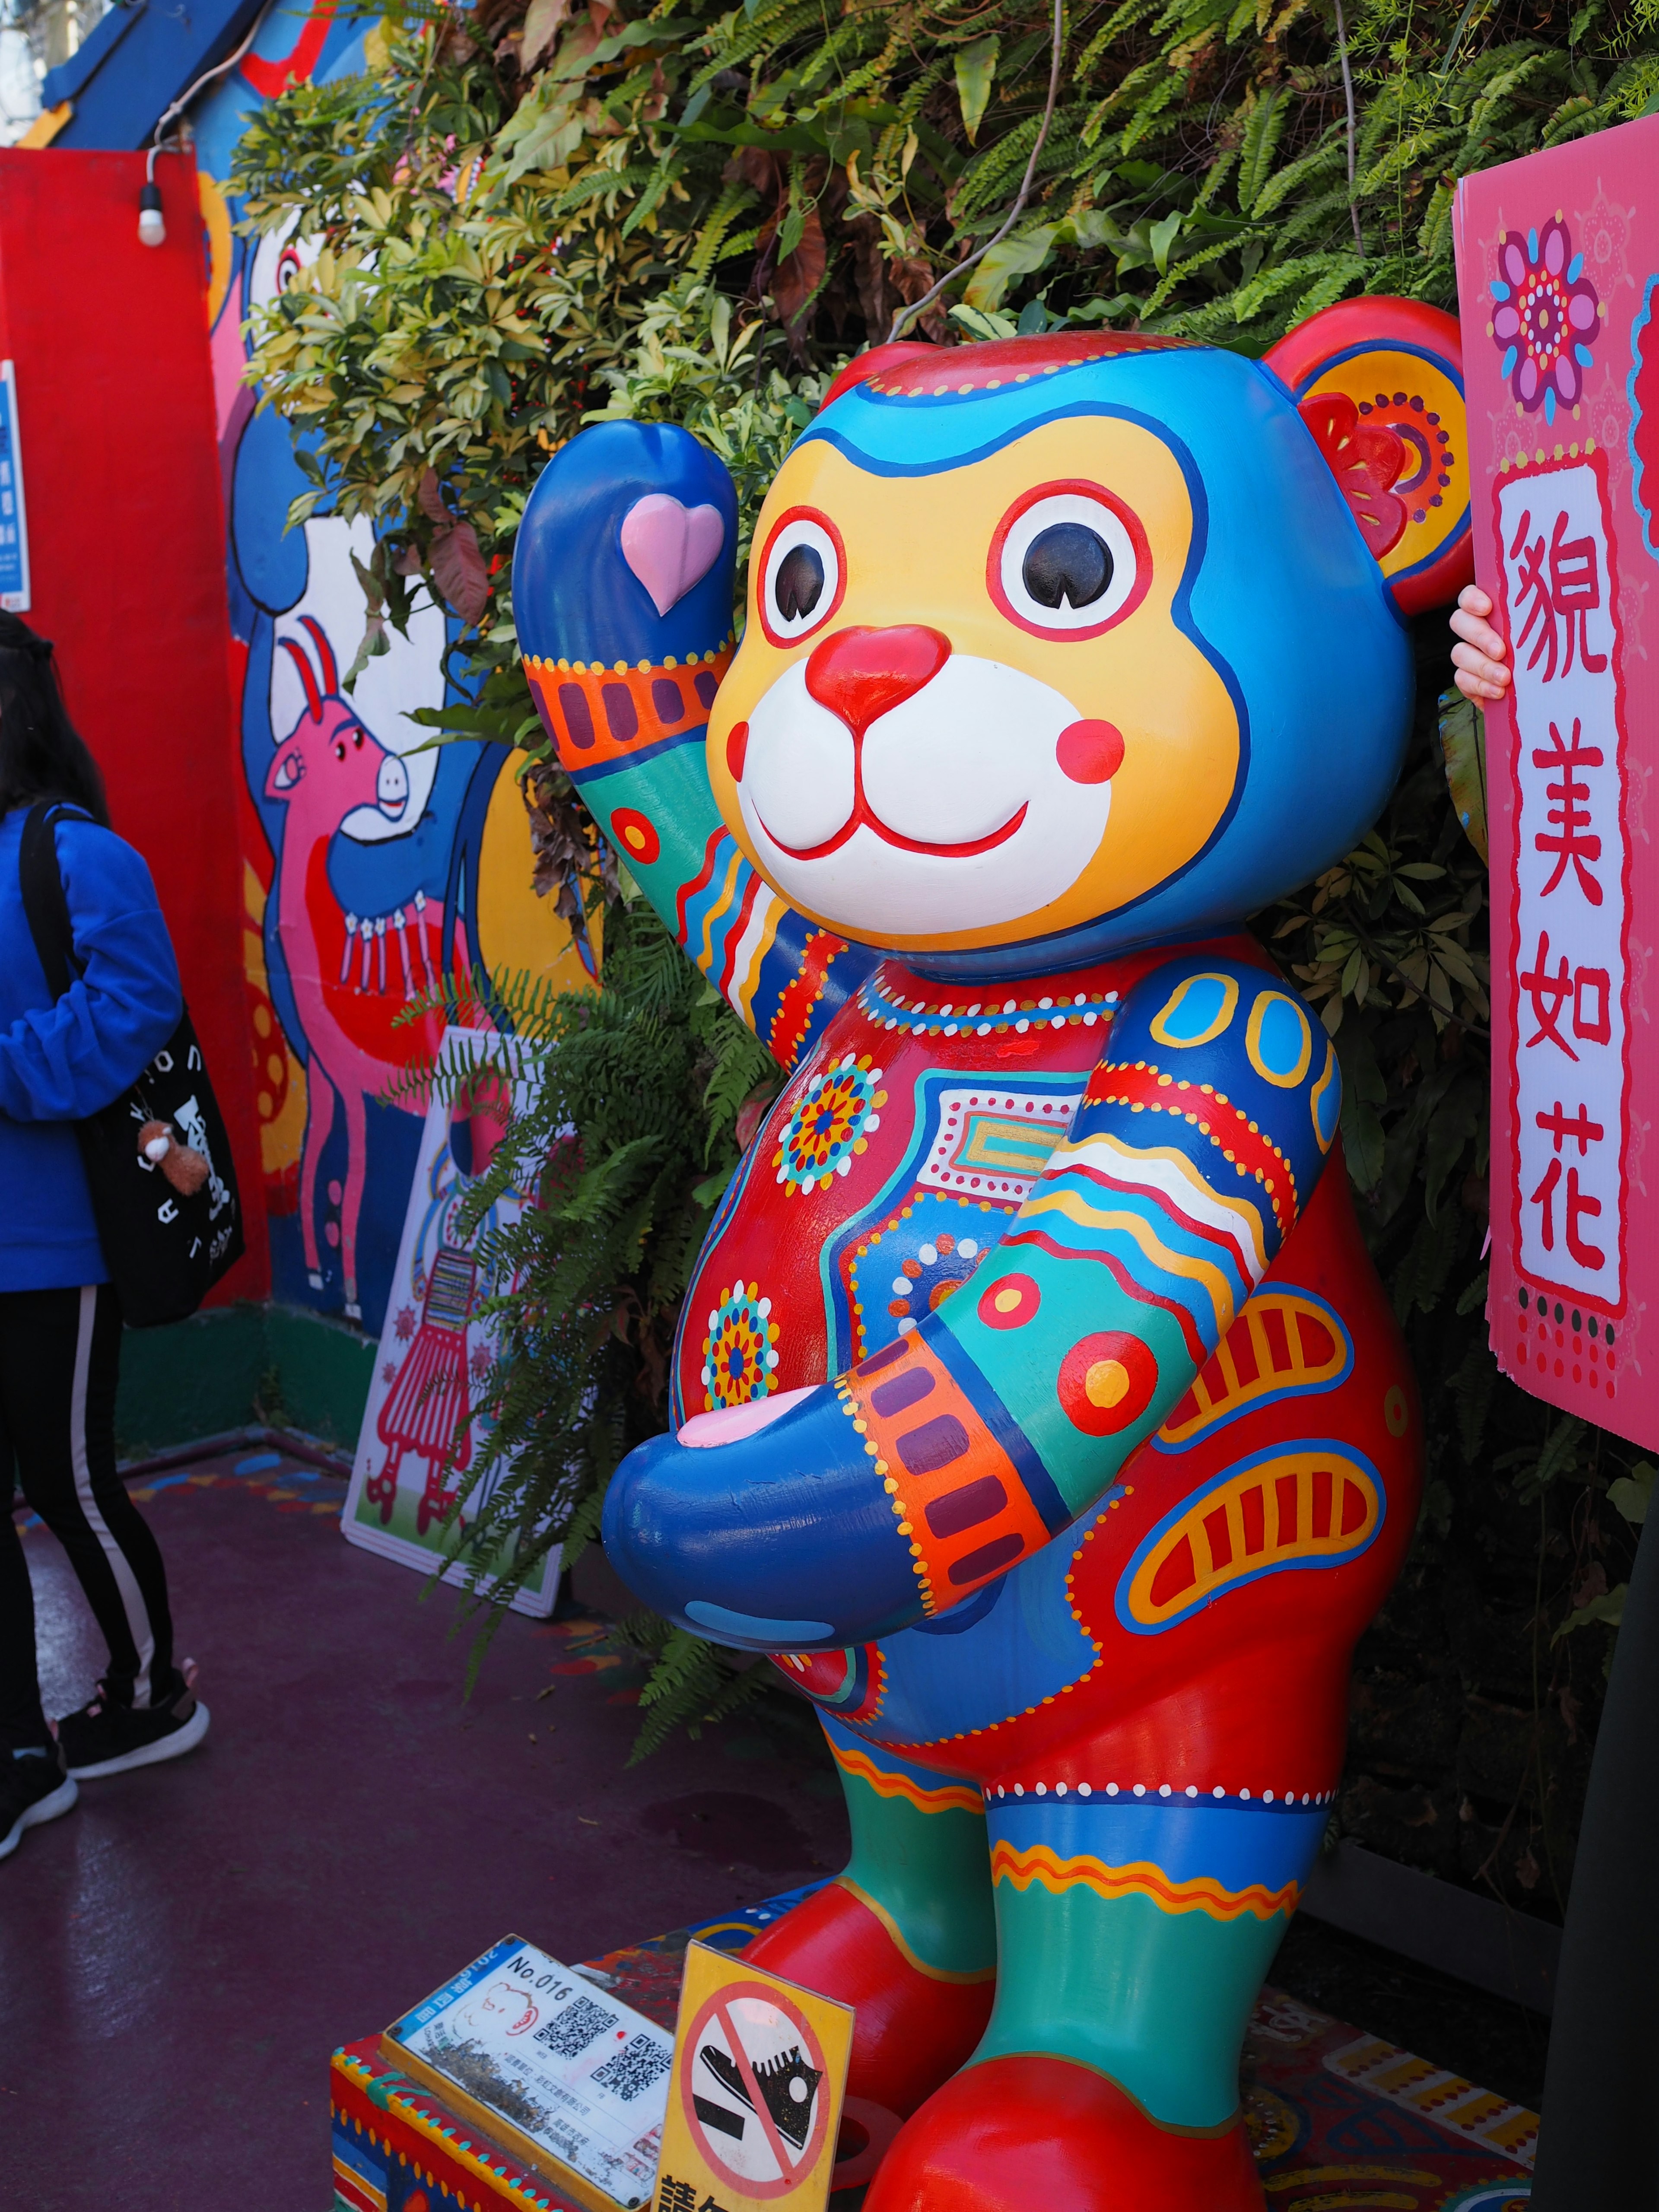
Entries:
{"x":121,"y":476}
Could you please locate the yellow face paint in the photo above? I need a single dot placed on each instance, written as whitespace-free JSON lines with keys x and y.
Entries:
{"x":924,"y":552}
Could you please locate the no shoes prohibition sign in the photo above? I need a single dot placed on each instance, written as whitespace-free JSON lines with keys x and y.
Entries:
{"x":754,"y":2102}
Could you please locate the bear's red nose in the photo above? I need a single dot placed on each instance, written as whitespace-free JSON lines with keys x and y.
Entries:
{"x":862,"y":674}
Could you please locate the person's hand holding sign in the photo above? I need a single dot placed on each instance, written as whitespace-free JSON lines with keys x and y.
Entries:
{"x":1479,"y":659}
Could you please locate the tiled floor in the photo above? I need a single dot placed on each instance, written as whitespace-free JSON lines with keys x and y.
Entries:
{"x":181,"y":1955}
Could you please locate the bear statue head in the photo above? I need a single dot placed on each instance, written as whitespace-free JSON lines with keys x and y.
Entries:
{"x":1054,"y":645}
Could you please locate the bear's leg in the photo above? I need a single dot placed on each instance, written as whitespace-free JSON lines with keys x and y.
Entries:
{"x":1133,"y":1936}
{"x":906,"y":1934}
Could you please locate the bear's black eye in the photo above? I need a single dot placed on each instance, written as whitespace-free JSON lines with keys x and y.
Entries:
{"x":798,"y":585}
{"x":1067,"y":564}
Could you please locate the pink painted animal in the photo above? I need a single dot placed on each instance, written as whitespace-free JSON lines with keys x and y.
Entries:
{"x":328,"y":766}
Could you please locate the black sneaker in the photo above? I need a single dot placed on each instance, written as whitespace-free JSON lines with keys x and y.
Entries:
{"x":33,"y":1788}
{"x":108,"y":1737}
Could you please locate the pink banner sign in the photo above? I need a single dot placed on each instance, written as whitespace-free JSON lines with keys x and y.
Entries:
{"x":1557,"y":269}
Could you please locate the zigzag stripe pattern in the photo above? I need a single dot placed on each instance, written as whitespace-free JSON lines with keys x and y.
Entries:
{"x":773,"y":966}
{"x":1248,"y":1148}
{"x":953,"y":1797}
{"x":1041,"y":1863}
{"x":1180,"y":1188}
{"x":1158,"y":1252}
{"x":1128,"y":1282}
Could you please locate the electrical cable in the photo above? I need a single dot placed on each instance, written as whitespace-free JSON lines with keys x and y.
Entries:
{"x":908,"y":314}
{"x":152,"y":229}
{"x":206,"y":76}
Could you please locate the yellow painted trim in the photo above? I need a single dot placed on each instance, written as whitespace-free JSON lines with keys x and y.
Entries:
{"x":1316,"y":1099}
{"x":1141,"y":1878}
{"x":1211,"y":1576}
{"x":1159,"y":1024}
{"x":1301,"y":1375}
{"x":46,"y":126}
{"x":1202,"y":1272}
{"x":749,"y":983}
{"x":934,"y":1973}
{"x":953,"y":1797}
{"x":1134,"y":1158}
{"x":1253,"y":1041}
{"x":705,"y":957}
{"x":222,"y":246}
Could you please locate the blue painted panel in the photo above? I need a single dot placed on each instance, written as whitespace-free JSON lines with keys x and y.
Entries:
{"x":136,"y":65}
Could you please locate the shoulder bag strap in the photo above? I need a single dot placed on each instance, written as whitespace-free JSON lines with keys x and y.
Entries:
{"x":40,"y":880}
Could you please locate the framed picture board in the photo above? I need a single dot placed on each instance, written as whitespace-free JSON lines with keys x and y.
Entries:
{"x":437,"y":1348}
{"x":567,"y":2078}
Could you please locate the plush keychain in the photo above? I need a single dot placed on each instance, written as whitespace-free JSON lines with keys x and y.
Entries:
{"x":182,"y":1164}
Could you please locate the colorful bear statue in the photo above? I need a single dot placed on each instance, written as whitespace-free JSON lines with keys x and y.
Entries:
{"x":1035,"y":1404}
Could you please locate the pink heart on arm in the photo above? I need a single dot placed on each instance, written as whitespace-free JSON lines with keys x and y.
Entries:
{"x":670,"y":547}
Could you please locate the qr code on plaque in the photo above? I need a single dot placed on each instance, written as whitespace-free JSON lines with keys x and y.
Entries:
{"x":632,"y":2070}
{"x":568,"y":2034}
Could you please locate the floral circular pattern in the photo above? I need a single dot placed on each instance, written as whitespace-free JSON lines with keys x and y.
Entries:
{"x":739,"y":1357}
{"x":835,"y":1119}
{"x":1545,"y":319}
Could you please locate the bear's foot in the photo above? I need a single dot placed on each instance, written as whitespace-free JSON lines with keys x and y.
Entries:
{"x":914,"y":2028}
{"x":1033,"y":2134}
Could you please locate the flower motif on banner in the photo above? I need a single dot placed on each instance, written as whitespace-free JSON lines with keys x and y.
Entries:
{"x":737,"y":1354}
{"x":829,"y":1128}
{"x":1545,"y":318}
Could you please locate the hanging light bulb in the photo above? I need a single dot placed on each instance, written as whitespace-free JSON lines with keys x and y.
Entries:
{"x":152,"y":225}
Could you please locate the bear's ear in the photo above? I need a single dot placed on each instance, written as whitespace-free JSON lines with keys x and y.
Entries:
{"x":1379,"y":383}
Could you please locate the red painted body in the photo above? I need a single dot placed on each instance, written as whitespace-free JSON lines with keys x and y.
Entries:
{"x":1248,"y":1696}
{"x":121,"y":474}
{"x":1032,"y":2134}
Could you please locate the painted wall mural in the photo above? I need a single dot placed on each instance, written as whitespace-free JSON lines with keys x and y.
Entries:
{"x":372,"y":866}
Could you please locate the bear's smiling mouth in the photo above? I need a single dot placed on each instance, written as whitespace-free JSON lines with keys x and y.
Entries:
{"x":863,"y":816}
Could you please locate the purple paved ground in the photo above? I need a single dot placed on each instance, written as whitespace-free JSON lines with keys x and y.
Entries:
{"x":180,"y":1956}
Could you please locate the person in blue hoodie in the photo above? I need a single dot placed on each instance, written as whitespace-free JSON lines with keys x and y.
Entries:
{"x":60,"y":1321}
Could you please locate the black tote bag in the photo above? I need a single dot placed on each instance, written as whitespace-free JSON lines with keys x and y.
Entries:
{"x":165,"y":1249}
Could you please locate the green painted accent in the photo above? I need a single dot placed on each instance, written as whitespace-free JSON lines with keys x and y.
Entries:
{"x":931,"y":1871}
{"x":1022,"y":1365}
{"x":237,"y":1366}
{"x":194,"y":1378}
{"x":1158,"y":2001}
{"x":323,"y":1372}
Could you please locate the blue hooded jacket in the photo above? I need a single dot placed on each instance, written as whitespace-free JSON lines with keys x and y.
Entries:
{"x":62,"y":1060}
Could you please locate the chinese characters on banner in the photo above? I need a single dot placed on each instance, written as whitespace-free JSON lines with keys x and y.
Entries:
{"x":1558,"y":259}
{"x":1567,"y":1069}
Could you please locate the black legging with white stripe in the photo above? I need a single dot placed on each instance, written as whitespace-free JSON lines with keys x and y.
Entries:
{"x":59,"y":1357}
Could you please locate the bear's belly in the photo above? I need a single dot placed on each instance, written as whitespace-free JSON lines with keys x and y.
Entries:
{"x":890,"y":1164}
{"x":1175,"y":1576}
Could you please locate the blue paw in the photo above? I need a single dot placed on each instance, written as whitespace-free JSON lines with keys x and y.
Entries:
{"x":784,"y":1541}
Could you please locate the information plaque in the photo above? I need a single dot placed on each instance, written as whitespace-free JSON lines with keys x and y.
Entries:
{"x":14,"y":516}
{"x":571,"y":2080}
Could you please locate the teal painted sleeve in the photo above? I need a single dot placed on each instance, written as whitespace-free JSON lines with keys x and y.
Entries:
{"x":1197,"y":1142}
